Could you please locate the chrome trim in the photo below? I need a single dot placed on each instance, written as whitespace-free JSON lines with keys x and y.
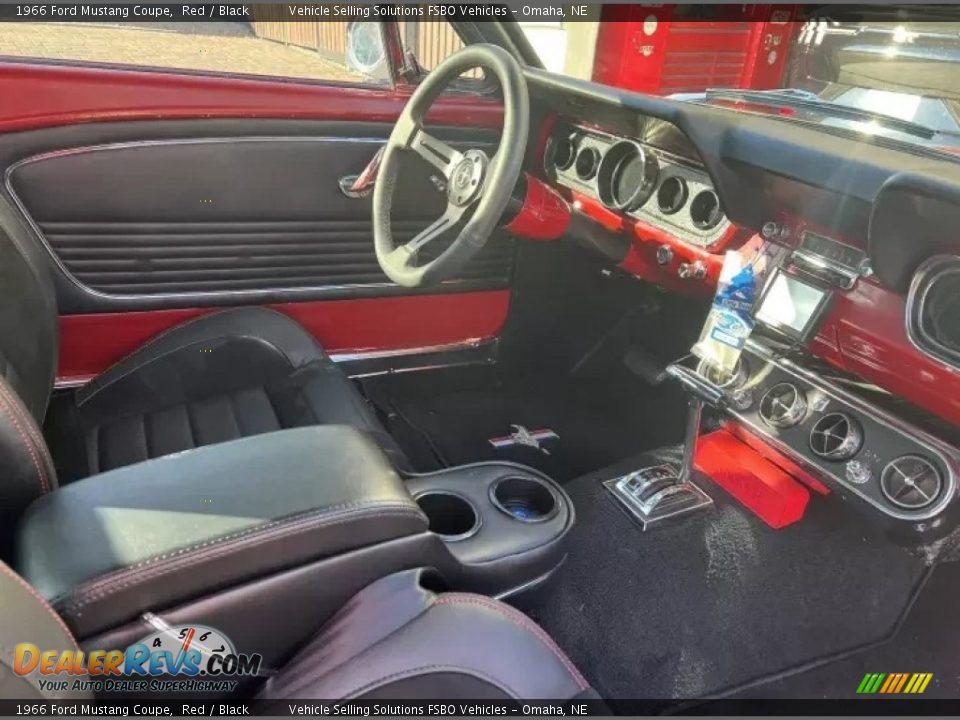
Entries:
{"x":472,"y":344}
{"x":793,"y":414}
{"x":946,"y":454}
{"x":72,"y":383}
{"x":849,"y":445}
{"x":923,"y":280}
{"x":819,"y":267}
{"x":909,"y":481}
{"x":86,"y":289}
{"x":692,"y":236}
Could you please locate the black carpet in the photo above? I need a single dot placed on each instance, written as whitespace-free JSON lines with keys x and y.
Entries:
{"x":718,"y":599}
{"x":446,"y":418}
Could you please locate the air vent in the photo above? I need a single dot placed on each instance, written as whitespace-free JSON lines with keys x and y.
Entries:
{"x":783,"y":406}
{"x":911,"y":482}
{"x":836,"y":436}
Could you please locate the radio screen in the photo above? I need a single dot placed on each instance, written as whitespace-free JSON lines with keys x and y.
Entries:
{"x":792,"y":306}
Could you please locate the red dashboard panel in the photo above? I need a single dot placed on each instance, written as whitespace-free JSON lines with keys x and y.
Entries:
{"x":641,"y":259}
{"x":91,"y":343}
{"x":866,"y":334}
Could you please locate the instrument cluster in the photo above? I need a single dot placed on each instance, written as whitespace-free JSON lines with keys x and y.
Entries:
{"x":645,"y":183}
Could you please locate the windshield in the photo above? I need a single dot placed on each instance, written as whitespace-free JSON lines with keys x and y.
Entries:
{"x":876,"y":71}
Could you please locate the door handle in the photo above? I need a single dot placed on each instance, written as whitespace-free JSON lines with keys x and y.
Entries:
{"x":359,"y":186}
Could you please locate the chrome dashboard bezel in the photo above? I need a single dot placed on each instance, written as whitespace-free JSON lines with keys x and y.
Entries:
{"x":946,"y":455}
{"x":923,"y":280}
{"x":694,"y":175}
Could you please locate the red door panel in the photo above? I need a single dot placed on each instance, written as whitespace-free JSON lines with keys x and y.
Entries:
{"x":96,"y":334}
{"x":36,"y":96}
{"x":89,"y":344}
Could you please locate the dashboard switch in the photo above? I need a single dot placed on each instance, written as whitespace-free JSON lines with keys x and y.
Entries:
{"x":696,"y":270}
{"x":664,"y":255}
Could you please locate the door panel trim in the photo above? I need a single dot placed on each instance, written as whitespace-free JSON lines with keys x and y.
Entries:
{"x":230,"y":295}
{"x":90,"y":343}
{"x":107,"y":147}
{"x":42,"y":94}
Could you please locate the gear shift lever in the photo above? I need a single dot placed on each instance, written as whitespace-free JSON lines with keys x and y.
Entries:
{"x":700,"y":392}
{"x":656,"y":493}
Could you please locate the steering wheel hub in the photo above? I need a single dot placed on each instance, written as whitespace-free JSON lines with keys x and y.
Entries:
{"x":466,"y":180}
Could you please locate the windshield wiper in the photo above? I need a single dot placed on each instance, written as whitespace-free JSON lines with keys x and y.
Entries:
{"x":798,"y":99}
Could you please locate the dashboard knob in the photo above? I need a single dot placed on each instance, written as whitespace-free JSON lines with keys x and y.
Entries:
{"x":664,"y":255}
{"x":696,"y":270}
{"x":858,"y":473}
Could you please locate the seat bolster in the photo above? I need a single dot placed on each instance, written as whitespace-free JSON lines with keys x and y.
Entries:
{"x":26,"y":469}
{"x":27,"y":617}
{"x":286,"y":335}
{"x":395,"y":639}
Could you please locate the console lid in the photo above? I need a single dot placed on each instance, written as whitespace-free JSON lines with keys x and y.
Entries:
{"x":108,"y":548}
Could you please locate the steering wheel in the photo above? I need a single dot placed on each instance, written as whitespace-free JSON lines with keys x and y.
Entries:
{"x":474,"y":181}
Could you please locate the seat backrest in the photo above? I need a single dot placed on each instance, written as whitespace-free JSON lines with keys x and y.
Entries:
{"x":28,"y":314}
{"x":28,"y":362}
{"x":25,"y":617}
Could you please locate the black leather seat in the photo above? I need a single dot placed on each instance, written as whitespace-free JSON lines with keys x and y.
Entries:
{"x":393,"y":640}
{"x":220,"y":377}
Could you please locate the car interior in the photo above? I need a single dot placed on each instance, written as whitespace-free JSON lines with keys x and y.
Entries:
{"x":394,"y":385}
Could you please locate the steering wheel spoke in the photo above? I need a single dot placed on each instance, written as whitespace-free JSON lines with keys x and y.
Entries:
{"x":434,"y":230}
{"x":436,"y":152}
{"x":477,"y":190}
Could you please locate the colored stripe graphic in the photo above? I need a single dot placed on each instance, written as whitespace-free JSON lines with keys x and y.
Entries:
{"x":894,"y":683}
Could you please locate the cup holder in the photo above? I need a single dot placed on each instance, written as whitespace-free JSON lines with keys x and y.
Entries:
{"x":451,"y":516}
{"x":523,"y":498}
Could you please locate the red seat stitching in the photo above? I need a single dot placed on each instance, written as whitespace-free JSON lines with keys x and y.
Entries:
{"x":8,"y":411}
{"x":521,"y":620}
{"x":31,"y":428}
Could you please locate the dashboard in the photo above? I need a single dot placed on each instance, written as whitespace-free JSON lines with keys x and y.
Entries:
{"x":654,"y":189}
{"x":639,"y":180}
{"x":868,"y":225}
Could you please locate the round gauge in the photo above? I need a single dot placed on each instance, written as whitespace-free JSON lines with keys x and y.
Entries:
{"x":586,"y":163}
{"x":562,"y":152}
{"x":627,"y":176}
{"x":672,"y":195}
{"x":705,"y":210}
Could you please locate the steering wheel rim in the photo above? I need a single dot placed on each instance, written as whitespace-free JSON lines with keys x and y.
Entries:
{"x":473,"y":180}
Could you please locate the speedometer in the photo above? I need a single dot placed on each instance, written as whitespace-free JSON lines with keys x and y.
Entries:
{"x":627,"y":176}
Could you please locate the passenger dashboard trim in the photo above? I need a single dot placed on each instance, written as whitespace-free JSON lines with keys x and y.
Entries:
{"x":944,"y":453}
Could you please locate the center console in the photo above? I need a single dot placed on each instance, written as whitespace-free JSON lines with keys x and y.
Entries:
{"x":504,"y":523}
{"x":231,"y":535}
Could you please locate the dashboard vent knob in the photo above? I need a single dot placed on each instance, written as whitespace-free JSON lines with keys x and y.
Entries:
{"x":783,"y":406}
{"x":911,"y":482}
{"x":836,"y":436}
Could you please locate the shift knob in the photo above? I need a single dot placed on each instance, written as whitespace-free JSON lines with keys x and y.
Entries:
{"x":697,"y":385}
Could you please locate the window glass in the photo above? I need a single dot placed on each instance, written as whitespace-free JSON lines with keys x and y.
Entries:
{"x":264,"y":45}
